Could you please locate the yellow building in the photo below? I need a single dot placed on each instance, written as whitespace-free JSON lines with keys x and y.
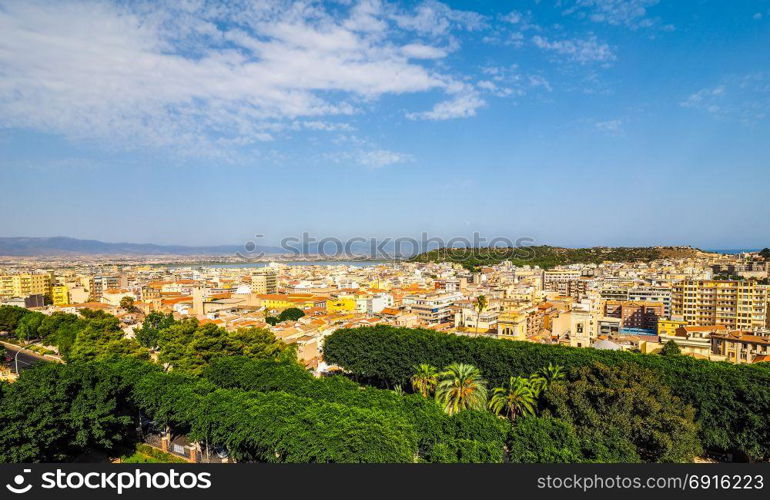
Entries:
{"x":341,"y":304}
{"x":264,"y":281}
{"x":60,"y":295}
{"x":669,"y":326}
{"x":738,"y":305}
{"x":512,"y":326}
{"x":277,"y":301}
{"x":24,"y":285}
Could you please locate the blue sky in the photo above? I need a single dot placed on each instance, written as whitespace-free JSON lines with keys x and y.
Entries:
{"x":573,"y":122}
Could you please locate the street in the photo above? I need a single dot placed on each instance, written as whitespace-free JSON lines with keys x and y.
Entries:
{"x":26,"y":358}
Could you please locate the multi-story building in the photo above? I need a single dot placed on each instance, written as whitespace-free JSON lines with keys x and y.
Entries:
{"x":264,"y":281}
{"x":642,"y":316}
{"x":738,"y":305}
{"x":24,"y":285}
{"x":512,"y":325}
{"x":103,"y":283}
{"x":60,"y":295}
{"x":742,"y":346}
{"x":433,"y":308}
{"x":568,"y":283}
{"x":694,"y":339}
{"x":669,"y":326}
{"x":652,"y":294}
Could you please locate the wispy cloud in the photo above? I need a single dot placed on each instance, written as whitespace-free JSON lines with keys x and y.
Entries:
{"x":744,"y":98}
{"x":197,"y":76}
{"x":612,"y":128}
{"x":372,"y":158}
{"x":580,"y":50}
{"x":630,"y":13}
{"x":462,"y":105}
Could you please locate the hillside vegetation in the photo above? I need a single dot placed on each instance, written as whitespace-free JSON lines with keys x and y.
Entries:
{"x":547,"y":257}
{"x":731,"y":402}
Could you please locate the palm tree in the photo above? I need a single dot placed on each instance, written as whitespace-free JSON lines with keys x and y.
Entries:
{"x":551,"y":373}
{"x":537,"y":384}
{"x":461,"y":387}
{"x":480,"y":305}
{"x":516,"y":398}
{"x":425,"y":379}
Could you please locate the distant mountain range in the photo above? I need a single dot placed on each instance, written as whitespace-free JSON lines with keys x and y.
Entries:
{"x":60,"y":245}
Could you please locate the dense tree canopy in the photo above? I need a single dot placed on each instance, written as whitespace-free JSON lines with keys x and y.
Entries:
{"x":544,"y":440}
{"x":731,"y":402}
{"x":284,"y":414}
{"x":245,"y":392}
{"x":189,"y":346}
{"x":58,"y":412}
{"x":622,"y":414}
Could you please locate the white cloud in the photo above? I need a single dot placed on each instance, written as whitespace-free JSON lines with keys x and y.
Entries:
{"x":745,"y":98}
{"x":420,"y":51}
{"x":196,"y":76}
{"x":374,"y":158}
{"x":463,"y":105}
{"x":583,"y":51}
{"x":610,"y":127}
{"x":513,"y":17}
{"x":630,"y":13}
{"x":436,"y":19}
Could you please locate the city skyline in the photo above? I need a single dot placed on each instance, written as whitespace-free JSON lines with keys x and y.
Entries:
{"x":556,"y":120}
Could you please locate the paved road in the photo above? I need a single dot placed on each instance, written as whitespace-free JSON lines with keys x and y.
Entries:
{"x":26,"y":358}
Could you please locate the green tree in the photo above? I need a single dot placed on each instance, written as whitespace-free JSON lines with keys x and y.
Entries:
{"x":731,"y":401}
{"x":425,"y":379}
{"x":272,"y":320}
{"x":543,"y":440}
{"x":290,"y":314}
{"x":624,"y":414}
{"x":28,"y":326}
{"x":149,"y":333}
{"x":128,"y":304}
{"x":10,"y":316}
{"x":670,"y":348}
{"x":461,"y":387}
{"x":516,"y":398}
{"x":480,"y":306}
{"x":551,"y":373}
{"x":102,"y":337}
{"x":57,"y":412}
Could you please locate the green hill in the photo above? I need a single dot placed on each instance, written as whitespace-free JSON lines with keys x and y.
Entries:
{"x":547,"y":256}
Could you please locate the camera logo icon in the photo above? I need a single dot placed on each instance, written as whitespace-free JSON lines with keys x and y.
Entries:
{"x":18,"y":486}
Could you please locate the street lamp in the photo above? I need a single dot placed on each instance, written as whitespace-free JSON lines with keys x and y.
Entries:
{"x":16,"y":357}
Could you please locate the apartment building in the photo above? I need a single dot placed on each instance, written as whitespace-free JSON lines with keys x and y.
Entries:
{"x":102,"y":283}
{"x":742,"y":346}
{"x":652,"y":294}
{"x":694,"y":339}
{"x":512,"y":325}
{"x":24,"y":285}
{"x":60,"y":295}
{"x":669,"y":326}
{"x":738,"y":305}
{"x":433,"y":308}
{"x":635,"y":315}
{"x":568,"y":283}
{"x":264,"y":281}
